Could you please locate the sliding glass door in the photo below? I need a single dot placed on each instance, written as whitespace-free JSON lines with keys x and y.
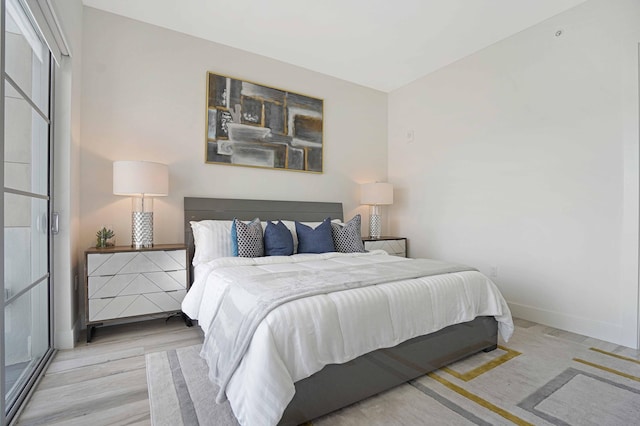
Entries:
{"x":26,"y":295}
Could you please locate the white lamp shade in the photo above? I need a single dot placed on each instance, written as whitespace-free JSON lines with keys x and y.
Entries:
{"x":141,"y":178}
{"x":376,"y":194}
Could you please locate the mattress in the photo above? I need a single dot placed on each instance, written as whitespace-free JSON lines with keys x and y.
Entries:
{"x":300,"y":337}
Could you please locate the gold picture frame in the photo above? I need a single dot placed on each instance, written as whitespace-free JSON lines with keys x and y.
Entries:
{"x":253,"y":125}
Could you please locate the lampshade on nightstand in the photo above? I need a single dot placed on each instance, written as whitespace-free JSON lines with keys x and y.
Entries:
{"x":375,"y":195}
{"x":141,"y":180}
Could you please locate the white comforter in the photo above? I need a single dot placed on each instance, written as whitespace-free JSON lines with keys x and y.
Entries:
{"x":301,"y":337}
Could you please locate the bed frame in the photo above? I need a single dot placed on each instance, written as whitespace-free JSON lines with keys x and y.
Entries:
{"x":339,"y":385}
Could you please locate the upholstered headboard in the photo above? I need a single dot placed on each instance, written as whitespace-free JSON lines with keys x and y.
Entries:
{"x":228,"y":209}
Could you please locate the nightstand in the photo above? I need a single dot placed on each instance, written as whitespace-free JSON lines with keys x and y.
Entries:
{"x":124,"y":282}
{"x":395,"y":246}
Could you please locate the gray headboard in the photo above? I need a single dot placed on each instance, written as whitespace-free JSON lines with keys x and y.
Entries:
{"x":228,"y":209}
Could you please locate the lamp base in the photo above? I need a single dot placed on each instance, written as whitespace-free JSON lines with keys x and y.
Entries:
{"x":142,"y":229}
{"x":374,"y":225}
{"x":375,"y":222}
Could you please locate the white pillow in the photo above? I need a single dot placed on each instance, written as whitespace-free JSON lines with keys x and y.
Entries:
{"x":291,"y":225}
{"x":212,"y":239}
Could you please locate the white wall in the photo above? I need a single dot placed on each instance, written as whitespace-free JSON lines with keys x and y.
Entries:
{"x":143,"y":97}
{"x":66,"y":197}
{"x":525,"y":158}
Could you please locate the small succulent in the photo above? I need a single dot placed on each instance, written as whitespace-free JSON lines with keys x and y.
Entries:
{"x":104,"y":235}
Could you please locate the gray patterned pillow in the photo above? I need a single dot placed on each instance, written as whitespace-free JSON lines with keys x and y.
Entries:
{"x":347,"y":237}
{"x":249,"y":238}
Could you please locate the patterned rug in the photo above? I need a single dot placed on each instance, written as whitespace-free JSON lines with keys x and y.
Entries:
{"x":538,"y":378}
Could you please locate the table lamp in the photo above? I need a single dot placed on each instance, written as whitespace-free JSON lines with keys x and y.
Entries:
{"x":141,"y":180}
{"x":375,"y":195}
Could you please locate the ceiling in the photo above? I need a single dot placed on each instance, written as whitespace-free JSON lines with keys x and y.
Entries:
{"x":382,"y":44}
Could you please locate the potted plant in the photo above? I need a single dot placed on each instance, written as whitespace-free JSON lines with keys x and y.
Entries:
{"x":105,"y":237}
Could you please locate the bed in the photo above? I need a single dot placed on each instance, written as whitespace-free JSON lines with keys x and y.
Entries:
{"x":336,"y":385}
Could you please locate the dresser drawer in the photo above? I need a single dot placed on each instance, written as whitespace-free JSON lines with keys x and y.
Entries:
{"x":101,"y":309}
{"x":123,"y":283}
{"x":393,"y":246}
{"x":135,"y":262}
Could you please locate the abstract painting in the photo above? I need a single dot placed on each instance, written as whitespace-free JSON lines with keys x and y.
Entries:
{"x":249,"y":124}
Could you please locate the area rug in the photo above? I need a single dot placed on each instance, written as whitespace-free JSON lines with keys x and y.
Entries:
{"x":535,"y":379}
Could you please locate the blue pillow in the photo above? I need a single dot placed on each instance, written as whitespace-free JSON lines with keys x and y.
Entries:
{"x":246,"y":239}
{"x":318,"y":240}
{"x":277,"y":240}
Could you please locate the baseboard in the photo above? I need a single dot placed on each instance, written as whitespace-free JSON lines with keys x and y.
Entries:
{"x":66,"y":339}
{"x":600,"y":330}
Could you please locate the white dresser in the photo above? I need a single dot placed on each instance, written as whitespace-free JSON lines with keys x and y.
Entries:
{"x":123,"y":282}
{"x":395,"y":246}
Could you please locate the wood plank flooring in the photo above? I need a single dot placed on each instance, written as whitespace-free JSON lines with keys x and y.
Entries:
{"x":105,"y":382}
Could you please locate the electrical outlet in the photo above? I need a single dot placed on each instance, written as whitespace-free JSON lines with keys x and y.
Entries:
{"x":410,"y":136}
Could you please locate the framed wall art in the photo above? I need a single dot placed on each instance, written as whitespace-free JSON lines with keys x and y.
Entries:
{"x":249,"y":124}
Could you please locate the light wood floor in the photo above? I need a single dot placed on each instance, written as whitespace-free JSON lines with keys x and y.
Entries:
{"x":104,"y":382}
